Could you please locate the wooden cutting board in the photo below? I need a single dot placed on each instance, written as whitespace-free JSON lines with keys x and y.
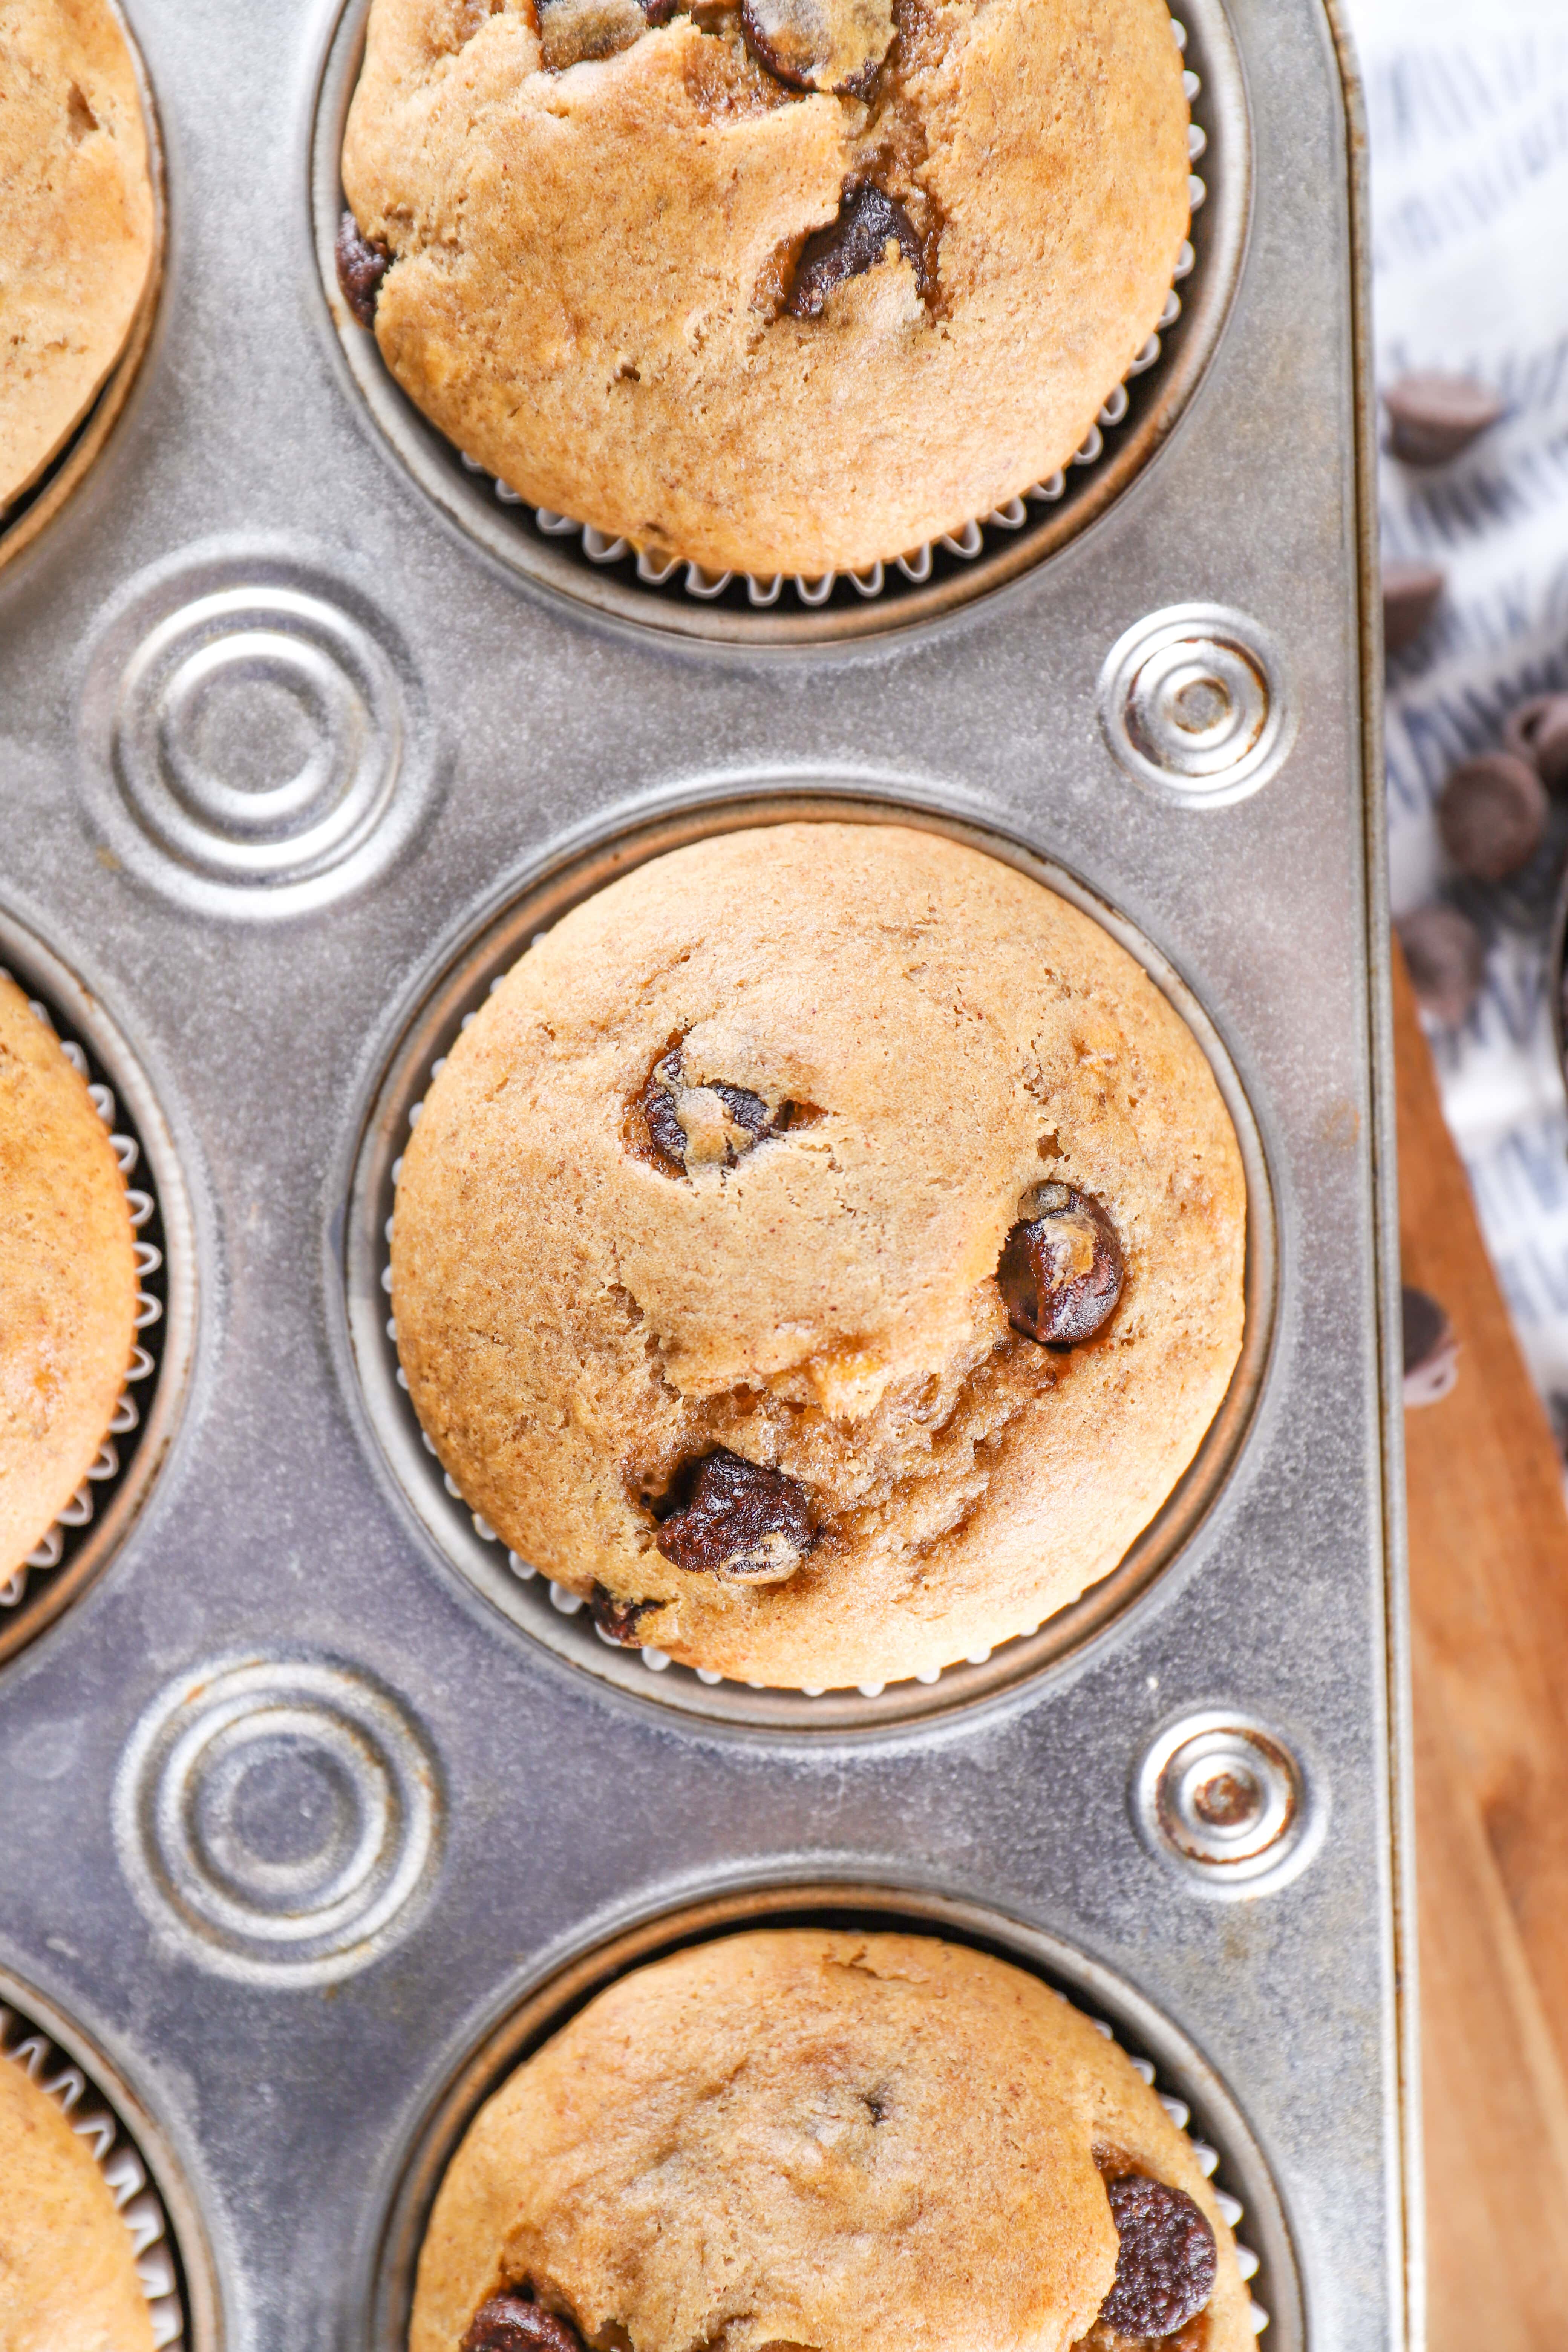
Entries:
{"x":1488,"y":1577}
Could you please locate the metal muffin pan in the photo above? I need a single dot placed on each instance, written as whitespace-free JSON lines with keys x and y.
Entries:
{"x":298,"y":1824}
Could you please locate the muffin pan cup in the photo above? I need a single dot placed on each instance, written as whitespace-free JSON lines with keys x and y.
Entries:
{"x":81,"y":1540}
{"x":308,"y":1827}
{"x":659,"y":588}
{"x":27,"y":515}
{"x":168,"y":2243}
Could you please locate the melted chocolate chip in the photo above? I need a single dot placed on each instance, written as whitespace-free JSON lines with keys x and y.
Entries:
{"x":1411,"y":594}
{"x":1446,"y":956}
{"x":1165,"y":2258}
{"x":740,"y":1521}
{"x":362,"y":263}
{"x":1491,"y":816}
{"x":619,"y":1620}
{"x":1538,"y":732}
{"x":1432,"y":418}
{"x":509,"y":2323}
{"x":868,"y":223}
{"x":1060,"y":1270}
{"x":705,"y":1125}
{"x":819,"y":44}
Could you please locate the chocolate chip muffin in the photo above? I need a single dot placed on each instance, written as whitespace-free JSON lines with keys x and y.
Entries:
{"x":67,"y":2272}
{"x":790,"y":286}
{"x":823,"y":1253}
{"x":842,"y":2141}
{"x":68,"y":1278}
{"x":75,"y":222}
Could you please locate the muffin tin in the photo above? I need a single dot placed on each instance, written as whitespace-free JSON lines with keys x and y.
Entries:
{"x":316,"y":1815}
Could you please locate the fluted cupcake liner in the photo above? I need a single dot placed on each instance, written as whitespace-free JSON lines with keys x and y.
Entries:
{"x":69,"y":1529}
{"x":92,"y":2118}
{"x":659,"y":569}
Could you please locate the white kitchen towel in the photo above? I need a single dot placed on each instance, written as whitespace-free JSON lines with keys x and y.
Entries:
{"x":1468,"y":106}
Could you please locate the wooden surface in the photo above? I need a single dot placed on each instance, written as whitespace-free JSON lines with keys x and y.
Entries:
{"x":1488,"y":1573}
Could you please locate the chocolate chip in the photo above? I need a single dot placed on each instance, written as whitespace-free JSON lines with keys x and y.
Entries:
{"x":362,"y":263}
{"x":708,"y":1123}
{"x":1433,"y":417}
{"x":1411,"y":592}
{"x":819,"y":44}
{"x":619,"y":1620}
{"x":1060,"y":1269}
{"x":1165,"y":2258}
{"x":741,"y":1521}
{"x":1431,"y":1350}
{"x":1538,"y":732}
{"x":572,"y":31}
{"x":1491,"y":816}
{"x":868,"y":223}
{"x":509,"y":2323}
{"x":1446,"y":956}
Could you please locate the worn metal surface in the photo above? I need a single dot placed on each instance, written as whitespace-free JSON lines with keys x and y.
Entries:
{"x":294,"y":1814}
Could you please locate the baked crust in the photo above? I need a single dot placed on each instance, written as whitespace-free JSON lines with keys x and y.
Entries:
{"x":859,"y":2143}
{"x":75,"y":222}
{"x":579,"y":1324}
{"x":67,"y":2271}
{"x":68,"y":1279}
{"x":589,"y":265}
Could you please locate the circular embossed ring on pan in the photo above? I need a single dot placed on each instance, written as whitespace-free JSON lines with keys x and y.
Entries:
{"x":606,"y":575}
{"x":254,"y":734}
{"x":1193,"y":2096}
{"x":440,"y":1008}
{"x":282,"y":1815}
{"x":106,"y":1505}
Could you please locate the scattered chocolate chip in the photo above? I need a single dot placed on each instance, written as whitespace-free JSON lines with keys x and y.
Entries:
{"x":1491,"y":816}
{"x":1060,"y":1269}
{"x":868,"y":223}
{"x":1431,"y":1350}
{"x":711,"y":1123}
{"x":509,"y":2323}
{"x":1538,"y":732}
{"x":1433,"y":417}
{"x":619,"y":1620}
{"x":362,"y":263}
{"x":1411,"y":592}
{"x":819,"y":44}
{"x":1165,"y":2258}
{"x":1446,"y":956}
{"x":658,"y":12}
{"x":573,"y":31}
{"x":740,"y":1521}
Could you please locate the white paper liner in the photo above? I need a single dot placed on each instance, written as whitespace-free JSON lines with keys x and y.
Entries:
{"x":1208,"y":2162}
{"x":966,"y":543}
{"x":55,"y":1545}
{"x":92,"y":2118}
